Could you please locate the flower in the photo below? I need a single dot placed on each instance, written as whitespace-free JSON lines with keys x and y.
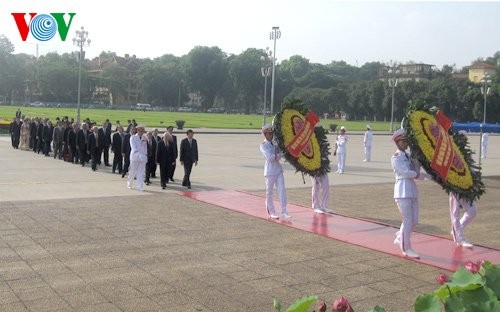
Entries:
{"x":442,"y":278}
{"x":320,"y":306}
{"x":313,"y":158}
{"x":341,"y":305}
{"x":473,"y":267}
{"x":431,"y":143}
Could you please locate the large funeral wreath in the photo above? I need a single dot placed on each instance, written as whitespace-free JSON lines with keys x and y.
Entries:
{"x":304,"y":145}
{"x":443,"y":154}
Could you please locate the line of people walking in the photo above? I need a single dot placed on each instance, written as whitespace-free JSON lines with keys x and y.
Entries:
{"x":136,"y":153}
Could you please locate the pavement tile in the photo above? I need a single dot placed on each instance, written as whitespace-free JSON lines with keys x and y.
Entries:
{"x":49,"y":304}
{"x":8,"y":296}
{"x":14,"y":307}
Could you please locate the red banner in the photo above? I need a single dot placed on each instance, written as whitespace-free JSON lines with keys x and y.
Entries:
{"x":303,"y":136}
{"x":444,"y":153}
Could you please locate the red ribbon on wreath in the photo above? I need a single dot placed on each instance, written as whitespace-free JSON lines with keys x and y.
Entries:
{"x":303,"y":136}
{"x":444,"y":153}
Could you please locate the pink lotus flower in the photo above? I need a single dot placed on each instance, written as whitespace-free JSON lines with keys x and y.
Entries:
{"x":442,"y":278}
{"x":320,"y":306}
{"x":473,"y":267}
{"x":341,"y":305}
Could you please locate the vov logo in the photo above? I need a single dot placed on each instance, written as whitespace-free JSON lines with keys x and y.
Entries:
{"x":43,"y":27}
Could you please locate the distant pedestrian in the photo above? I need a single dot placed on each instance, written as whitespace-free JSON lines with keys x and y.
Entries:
{"x":367,"y":142}
{"x":188,"y":156}
{"x":340,"y":150}
{"x":138,"y":158}
{"x":484,"y":144}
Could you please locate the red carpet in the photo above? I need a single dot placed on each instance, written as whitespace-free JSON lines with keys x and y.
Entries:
{"x":434,"y":250}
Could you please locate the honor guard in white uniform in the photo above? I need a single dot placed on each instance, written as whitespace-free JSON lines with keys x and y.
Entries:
{"x":138,"y":158}
{"x":367,"y":142}
{"x":320,"y":193}
{"x":340,"y":148}
{"x":484,"y":144}
{"x":273,"y":172}
{"x":405,"y":192}
{"x":458,"y":224}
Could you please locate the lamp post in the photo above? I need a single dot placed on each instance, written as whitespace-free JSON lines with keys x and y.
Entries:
{"x":274,"y":35}
{"x":485,"y":90}
{"x":393,"y":82}
{"x":80,"y":40}
{"x":179,"y":99}
{"x":265,"y":70}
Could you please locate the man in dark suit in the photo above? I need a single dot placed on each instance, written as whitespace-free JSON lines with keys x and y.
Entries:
{"x":81,"y":143}
{"x":165,"y":158}
{"x":106,"y":141}
{"x":95,"y":143}
{"x":126,"y":151}
{"x":116,"y":148}
{"x":188,"y":156}
{"x":170,"y":130}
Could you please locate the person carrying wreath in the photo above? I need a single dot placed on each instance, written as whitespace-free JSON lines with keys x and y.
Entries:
{"x":273,"y":172}
{"x":406,"y":171}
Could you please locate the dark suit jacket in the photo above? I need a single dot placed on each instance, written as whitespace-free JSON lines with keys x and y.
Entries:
{"x":126,"y":145}
{"x":174,"y":144}
{"x":93,"y":144}
{"x":188,"y":153}
{"x":107,"y":135}
{"x":165,"y":155}
{"x":81,"y":140}
{"x":116,"y":146}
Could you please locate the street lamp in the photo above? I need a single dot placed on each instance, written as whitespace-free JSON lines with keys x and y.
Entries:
{"x":80,"y":40}
{"x":485,"y":90}
{"x":393,"y":82}
{"x":274,"y":35}
{"x":179,"y":99}
{"x":265,"y":71}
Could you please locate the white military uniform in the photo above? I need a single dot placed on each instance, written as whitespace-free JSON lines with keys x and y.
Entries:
{"x":367,"y":142}
{"x":341,"y":152}
{"x":458,"y":224}
{"x":274,"y":176}
{"x":138,"y":159}
{"x":320,"y":192}
{"x":406,"y":197}
{"x":484,"y":144}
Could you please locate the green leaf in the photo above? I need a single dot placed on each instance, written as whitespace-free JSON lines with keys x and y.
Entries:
{"x":454,"y":304}
{"x":377,"y":309}
{"x":465,"y":279}
{"x":302,"y":304}
{"x":277,"y":305}
{"x":492,"y":277}
{"x":472,"y":298}
{"x":427,"y":303}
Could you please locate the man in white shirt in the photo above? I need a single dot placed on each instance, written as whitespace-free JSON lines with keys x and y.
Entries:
{"x":340,"y":148}
{"x":138,"y":158}
{"x":273,"y":171}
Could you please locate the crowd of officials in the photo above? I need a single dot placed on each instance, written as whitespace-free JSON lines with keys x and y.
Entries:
{"x":90,"y":143}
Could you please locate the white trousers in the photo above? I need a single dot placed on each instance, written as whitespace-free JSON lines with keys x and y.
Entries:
{"x":136,"y":170}
{"x":368,"y":152}
{"x":484,"y":150}
{"x":341,"y":162}
{"x":279,"y":181}
{"x":320,"y":193}
{"x":458,"y":224}
{"x":408,"y":207}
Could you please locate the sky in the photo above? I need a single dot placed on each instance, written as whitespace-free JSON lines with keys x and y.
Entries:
{"x":322,"y":31}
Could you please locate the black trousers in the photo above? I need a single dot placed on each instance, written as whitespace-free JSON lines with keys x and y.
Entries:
{"x":118,"y":162}
{"x":188,"y":166}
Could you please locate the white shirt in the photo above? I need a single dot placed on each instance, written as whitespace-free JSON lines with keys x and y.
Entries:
{"x":341,"y":143}
{"x":405,"y":186}
{"x":272,"y":157}
{"x":138,"y":148}
{"x":368,"y":138}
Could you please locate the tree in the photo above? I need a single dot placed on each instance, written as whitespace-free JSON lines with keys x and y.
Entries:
{"x":206,"y":70}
